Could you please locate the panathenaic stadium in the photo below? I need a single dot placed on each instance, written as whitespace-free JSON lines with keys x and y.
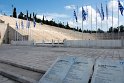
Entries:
{"x":48,"y":54}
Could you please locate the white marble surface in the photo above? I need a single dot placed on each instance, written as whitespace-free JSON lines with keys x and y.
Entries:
{"x":108,"y":71}
{"x":69,"y":69}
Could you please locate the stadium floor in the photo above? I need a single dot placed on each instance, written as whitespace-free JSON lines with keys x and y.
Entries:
{"x":42,"y":57}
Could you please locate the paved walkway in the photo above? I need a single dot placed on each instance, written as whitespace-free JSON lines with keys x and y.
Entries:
{"x":6,"y":80}
{"x":42,"y":57}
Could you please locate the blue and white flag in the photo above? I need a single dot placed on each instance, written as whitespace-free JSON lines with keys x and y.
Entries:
{"x":120,"y":7}
{"x":83,"y":14}
{"x":98,"y":11}
{"x":22,"y":25}
{"x":106,"y":12}
{"x":34,"y":22}
{"x":28,"y":24}
{"x":102,"y":12}
{"x":87,"y":12}
{"x":17,"y":25}
{"x":75,"y":15}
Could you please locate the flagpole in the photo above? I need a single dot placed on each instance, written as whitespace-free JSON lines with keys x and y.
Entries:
{"x":22,"y":29}
{"x":82,"y":24}
{"x":30,"y":32}
{"x":15,"y":33}
{"x":106,"y":17}
{"x":75,"y":16}
{"x":91,"y":20}
{"x":17,"y":30}
{"x":77,"y":19}
{"x":83,"y":17}
{"x":27,"y":30}
{"x":112,"y":22}
{"x":22,"y":34}
{"x":118,"y":20}
{"x":101,"y":28}
{"x":15,"y":27}
{"x":96,"y":22}
{"x":87,"y":20}
{"x":121,"y":8}
{"x":73,"y":19}
{"x":107,"y":26}
{"x":73,"y":22}
{"x":102,"y":18}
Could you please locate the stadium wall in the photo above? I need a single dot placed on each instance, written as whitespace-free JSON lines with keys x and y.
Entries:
{"x":7,"y":34}
{"x":3,"y":31}
{"x":95,"y":43}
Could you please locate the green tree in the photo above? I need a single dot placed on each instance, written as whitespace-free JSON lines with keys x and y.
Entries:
{"x":33,"y":14}
{"x":115,"y":30}
{"x":39,"y":20}
{"x":80,"y":30}
{"x":121,"y":28}
{"x":25,"y":17}
{"x":27,"y":14}
{"x":30,"y":17}
{"x":110,"y":29}
{"x":14,"y":13}
{"x":67,"y":26}
{"x":77,"y":29}
{"x":35,"y":17}
{"x":21,"y":15}
{"x":100,"y":31}
{"x":43,"y":19}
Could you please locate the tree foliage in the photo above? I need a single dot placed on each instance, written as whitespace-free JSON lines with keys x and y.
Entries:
{"x":33,"y":16}
{"x":14,"y":13}
{"x":117,"y":29}
{"x":21,"y":15}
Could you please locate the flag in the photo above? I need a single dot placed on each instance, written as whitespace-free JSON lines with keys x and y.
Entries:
{"x":120,"y":7}
{"x":102,"y":12}
{"x":87,"y":12}
{"x":106,"y":11}
{"x":17,"y":25}
{"x":83,"y":14}
{"x":28,"y":24}
{"x":22,"y":25}
{"x":75,"y":15}
{"x":34,"y":22}
{"x":98,"y":11}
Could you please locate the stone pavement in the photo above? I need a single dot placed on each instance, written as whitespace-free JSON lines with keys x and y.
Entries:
{"x":6,"y":80}
{"x":43,"y":57}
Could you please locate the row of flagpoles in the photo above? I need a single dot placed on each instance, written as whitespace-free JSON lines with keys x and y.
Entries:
{"x":98,"y":12}
{"x":23,"y":27}
{"x":84,"y":18}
